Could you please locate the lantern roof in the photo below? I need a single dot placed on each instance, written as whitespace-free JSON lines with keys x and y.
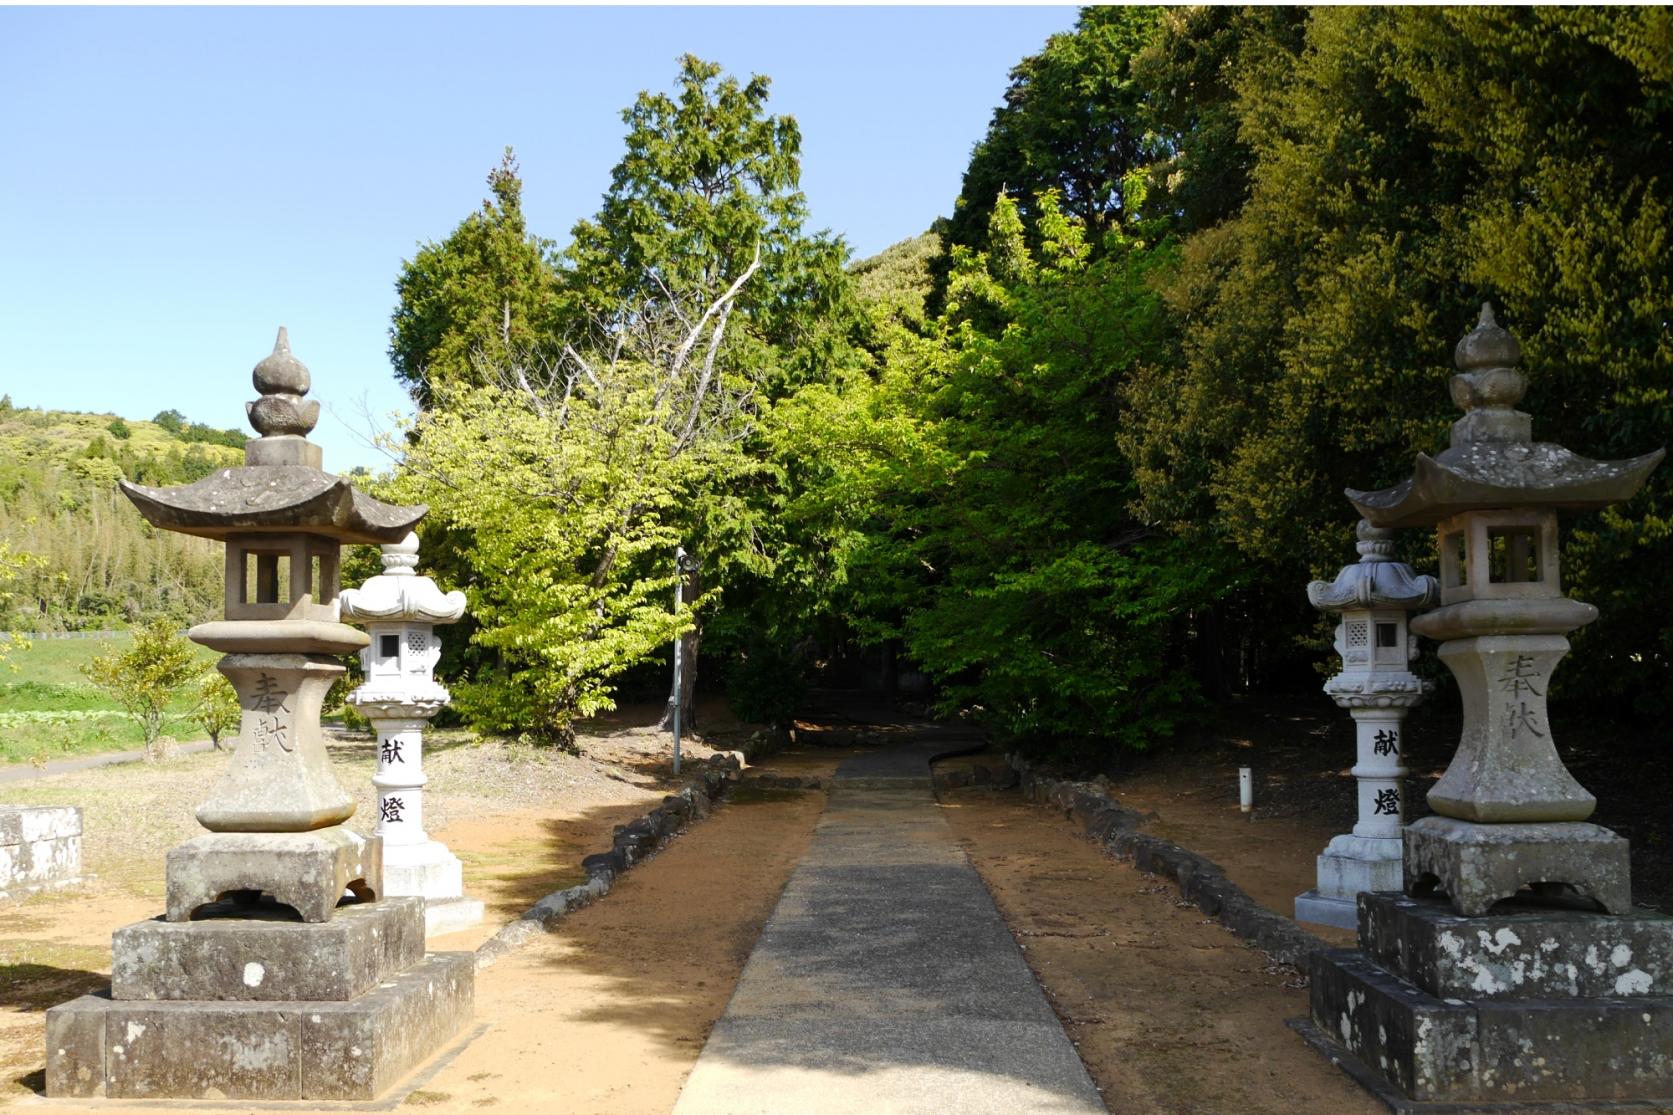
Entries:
{"x":281,"y":486}
{"x":1376,"y":580}
{"x":1493,"y":461}
{"x":398,"y":594}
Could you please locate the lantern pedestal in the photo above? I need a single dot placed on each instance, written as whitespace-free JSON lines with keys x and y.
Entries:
{"x":1349,"y":866}
{"x":250,"y":1005}
{"x":432,"y":872}
{"x":1478,"y":865}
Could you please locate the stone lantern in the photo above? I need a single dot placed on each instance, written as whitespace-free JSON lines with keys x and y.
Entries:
{"x":262,"y":982}
{"x":400,"y":611}
{"x":1514,"y":968}
{"x":1374,"y":597}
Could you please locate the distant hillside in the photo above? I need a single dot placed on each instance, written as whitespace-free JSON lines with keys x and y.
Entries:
{"x":896,"y":280}
{"x":92,"y":561}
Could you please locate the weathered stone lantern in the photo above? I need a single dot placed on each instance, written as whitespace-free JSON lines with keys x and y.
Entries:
{"x":400,"y":611}
{"x":1376,"y":686}
{"x":259,"y":982}
{"x":1533,"y":979}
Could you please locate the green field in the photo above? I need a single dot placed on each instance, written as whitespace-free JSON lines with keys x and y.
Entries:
{"x":48,"y":710}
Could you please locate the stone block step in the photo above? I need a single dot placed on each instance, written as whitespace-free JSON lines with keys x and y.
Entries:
{"x":355,"y":1050}
{"x":1436,"y":1050}
{"x":259,"y":954}
{"x":1520,"y":951}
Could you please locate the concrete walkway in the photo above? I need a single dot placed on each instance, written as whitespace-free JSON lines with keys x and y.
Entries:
{"x":885,"y":980}
{"x":24,"y":772}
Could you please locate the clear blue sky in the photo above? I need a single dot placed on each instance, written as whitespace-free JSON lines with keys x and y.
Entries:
{"x":177,"y":182}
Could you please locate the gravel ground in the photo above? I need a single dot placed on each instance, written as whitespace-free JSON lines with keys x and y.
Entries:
{"x":134,"y":813}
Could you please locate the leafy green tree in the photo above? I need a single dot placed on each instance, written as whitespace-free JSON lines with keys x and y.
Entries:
{"x":894,"y":284}
{"x":119,"y":429}
{"x":569,"y":470}
{"x":12,"y":565}
{"x":708,"y":186}
{"x":1190,"y":71}
{"x":484,"y":295}
{"x":217,"y":710}
{"x":985,"y":499}
{"x":148,"y":675}
{"x":705,"y":209}
{"x":1071,"y":125}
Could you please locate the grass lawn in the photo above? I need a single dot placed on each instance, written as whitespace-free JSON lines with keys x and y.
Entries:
{"x":48,"y":710}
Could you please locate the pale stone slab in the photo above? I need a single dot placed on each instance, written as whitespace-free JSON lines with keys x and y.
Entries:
{"x":450,"y":915}
{"x":40,"y":848}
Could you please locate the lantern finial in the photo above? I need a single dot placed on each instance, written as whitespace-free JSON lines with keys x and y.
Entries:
{"x":282,"y":380}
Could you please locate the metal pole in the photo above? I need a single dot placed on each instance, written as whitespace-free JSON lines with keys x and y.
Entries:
{"x":679,"y":587}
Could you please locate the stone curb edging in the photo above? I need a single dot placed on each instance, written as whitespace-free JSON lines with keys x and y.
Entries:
{"x":633,"y":842}
{"x":1200,"y":880}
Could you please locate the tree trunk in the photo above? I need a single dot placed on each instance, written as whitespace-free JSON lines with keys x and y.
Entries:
{"x":689,"y":643}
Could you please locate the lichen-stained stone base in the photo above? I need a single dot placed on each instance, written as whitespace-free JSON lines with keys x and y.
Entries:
{"x":1438,"y":1050}
{"x":307,"y":871}
{"x":1477,"y":865}
{"x":40,"y":848}
{"x":1519,"y":951}
{"x":243,"y":954}
{"x":354,"y":1050}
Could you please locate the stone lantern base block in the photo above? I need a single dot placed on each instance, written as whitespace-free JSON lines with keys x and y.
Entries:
{"x":308,"y":871}
{"x":1350,"y":865}
{"x":1392,"y":1033}
{"x":450,"y":915}
{"x":256,"y":953}
{"x":1522,"y":950}
{"x":433,"y":873}
{"x":327,"y":1050}
{"x":1477,"y":865}
{"x":427,"y":870}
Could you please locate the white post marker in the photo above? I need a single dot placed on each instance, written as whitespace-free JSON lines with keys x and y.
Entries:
{"x":399,"y":610}
{"x":1245,"y":789}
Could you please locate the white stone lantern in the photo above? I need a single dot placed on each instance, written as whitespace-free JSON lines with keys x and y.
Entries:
{"x":400,"y":611}
{"x":1373,"y":596}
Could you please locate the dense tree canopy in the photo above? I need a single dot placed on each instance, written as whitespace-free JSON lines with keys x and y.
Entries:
{"x":1410,"y":163}
{"x":1074,"y":452}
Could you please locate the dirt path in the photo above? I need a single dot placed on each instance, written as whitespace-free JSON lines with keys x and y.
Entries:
{"x":609,"y":1013}
{"x":1170,"y":1012}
